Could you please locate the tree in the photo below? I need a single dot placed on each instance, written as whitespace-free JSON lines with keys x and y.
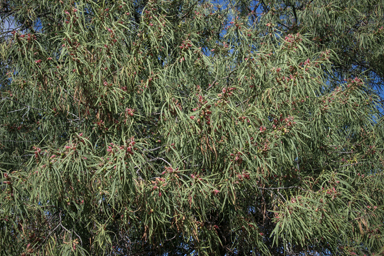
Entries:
{"x":182,"y":127}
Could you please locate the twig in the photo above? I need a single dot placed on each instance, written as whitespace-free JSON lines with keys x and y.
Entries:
{"x":16,"y":110}
{"x":216,"y":79}
{"x":159,"y":158}
{"x":281,"y":196}
{"x":153,"y":149}
{"x":282,"y":188}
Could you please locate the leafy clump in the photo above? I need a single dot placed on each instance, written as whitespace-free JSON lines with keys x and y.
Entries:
{"x":179,"y":127}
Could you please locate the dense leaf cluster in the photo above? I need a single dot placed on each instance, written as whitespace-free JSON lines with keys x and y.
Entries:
{"x":187,"y":127}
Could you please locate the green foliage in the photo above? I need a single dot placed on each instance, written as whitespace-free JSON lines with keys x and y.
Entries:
{"x":182,"y":127}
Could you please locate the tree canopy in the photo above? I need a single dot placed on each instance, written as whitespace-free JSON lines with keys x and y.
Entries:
{"x":181,"y":127}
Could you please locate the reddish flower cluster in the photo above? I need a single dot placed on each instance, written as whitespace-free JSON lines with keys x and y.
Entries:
{"x":356,"y":82}
{"x":244,"y":175}
{"x":226,"y":92}
{"x":129,"y":111}
{"x":292,"y":40}
{"x":205,"y":110}
{"x":29,"y":38}
{"x":283,"y":124}
{"x":129,"y":149}
{"x":244,"y":118}
{"x":37,"y":151}
{"x":185,"y":45}
{"x":196,"y":177}
{"x":158,"y":183}
{"x":237,"y":157}
{"x":307,"y":62}
{"x":170,"y":170}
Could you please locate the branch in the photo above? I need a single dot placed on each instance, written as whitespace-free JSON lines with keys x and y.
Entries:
{"x":283,"y":188}
{"x":230,"y":73}
{"x":7,"y":98}
{"x":153,"y":149}
{"x":159,"y":158}
{"x":190,"y":10}
{"x":294,"y":13}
